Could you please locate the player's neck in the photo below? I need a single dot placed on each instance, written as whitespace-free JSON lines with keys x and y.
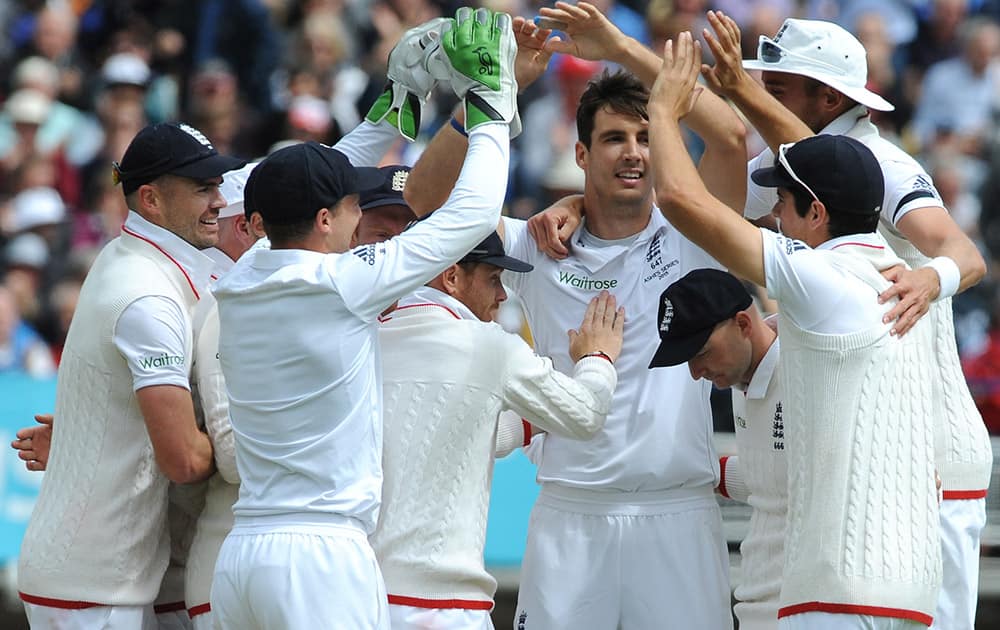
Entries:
{"x":612,"y":220}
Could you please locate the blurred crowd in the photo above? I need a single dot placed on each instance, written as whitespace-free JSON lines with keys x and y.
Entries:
{"x":80,"y":78}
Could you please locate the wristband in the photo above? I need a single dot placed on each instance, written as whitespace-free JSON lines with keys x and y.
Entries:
{"x":457,"y":126}
{"x":600,"y":354}
{"x":948,"y":275}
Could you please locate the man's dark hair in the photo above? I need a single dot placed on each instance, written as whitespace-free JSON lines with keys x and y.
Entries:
{"x":842,"y":222}
{"x":284,"y":233}
{"x":621,"y":92}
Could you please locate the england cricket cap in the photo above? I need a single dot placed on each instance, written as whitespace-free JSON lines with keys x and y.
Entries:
{"x":823,"y":51}
{"x":171,"y":148}
{"x":292,"y":184}
{"x":491,"y":251}
{"x":839,"y":171}
{"x":691,"y":308}
{"x":232,"y":187}
{"x":390,"y":191}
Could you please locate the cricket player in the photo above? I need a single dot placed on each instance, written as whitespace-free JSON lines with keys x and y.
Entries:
{"x":448,"y":370}
{"x":708,"y":320}
{"x":862,"y":548}
{"x":817,"y":70}
{"x":307,"y":427}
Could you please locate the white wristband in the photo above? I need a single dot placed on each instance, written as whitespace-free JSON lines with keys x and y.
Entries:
{"x":948,"y":274}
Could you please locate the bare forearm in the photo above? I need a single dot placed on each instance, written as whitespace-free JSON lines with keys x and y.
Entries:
{"x":435,"y":173}
{"x":723,"y":165}
{"x":639,"y":60}
{"x":773,"y":121}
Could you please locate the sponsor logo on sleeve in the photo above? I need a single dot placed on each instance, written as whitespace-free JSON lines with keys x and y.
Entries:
{"x":367,"y":253}
{"x":159,"y":361}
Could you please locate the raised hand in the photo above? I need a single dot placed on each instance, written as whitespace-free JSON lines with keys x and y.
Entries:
{"x":674,"y":91}
{"x":727,"y":75}
{"x":592,"y":35}
{"x":409,"y":82}
{"x":532,"y":56}
{"x":600,"y":331}
{"x":481,"y":48}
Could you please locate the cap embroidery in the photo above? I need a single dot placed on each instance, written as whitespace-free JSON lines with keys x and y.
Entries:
{"x":194,"y":133}
{"x":668,"y":315}
{"x":399,"y":180}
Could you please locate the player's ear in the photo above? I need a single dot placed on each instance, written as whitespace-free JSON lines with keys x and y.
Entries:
{"x":449,"y":279}
{"x":817,"y":214}
{"x":581,"y":155}
{"x":323,"y":222}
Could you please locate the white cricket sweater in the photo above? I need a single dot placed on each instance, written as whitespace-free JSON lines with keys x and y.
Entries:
{"x":862,"y":533}
{"x":758,"y":476}
{"x":445,"y":379}
{"x":98,"y":532}
{"x":962,"y":451}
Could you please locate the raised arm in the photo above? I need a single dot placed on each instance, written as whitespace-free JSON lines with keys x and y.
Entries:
{"x":435,"y":173}
{"x":775,"y":123}
{"x":680,"y":192}
{"x":593,"y":36}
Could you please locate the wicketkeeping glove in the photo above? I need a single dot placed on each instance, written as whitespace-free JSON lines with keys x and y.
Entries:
{"x":409,"y":84}
{"x":480,"y":48}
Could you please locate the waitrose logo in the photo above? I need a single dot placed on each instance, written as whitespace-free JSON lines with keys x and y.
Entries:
{"x":583,"y":282}
{"x":161,"y":361}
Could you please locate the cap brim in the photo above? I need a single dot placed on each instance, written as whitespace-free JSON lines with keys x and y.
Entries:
{"x":676,"y":351}
{"x":232,"y":210}
{"x":862,"y":95}
{"x":507,"y":262}
{"x":212,"y":166}
{"x":771,"y":177}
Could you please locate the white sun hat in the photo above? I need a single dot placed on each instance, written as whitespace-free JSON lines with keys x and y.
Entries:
{"x":823,"y":51}
{"x":233,"y":183}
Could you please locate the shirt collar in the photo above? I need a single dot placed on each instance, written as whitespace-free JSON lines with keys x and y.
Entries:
{"x":761,"y":379}
{"x":843,"y":124}
{"x":594,"y":258}
{"x":429,"y":295}
{"x":192,"y":262}
{"x":872,"y":240}
{"x":223,"y":262}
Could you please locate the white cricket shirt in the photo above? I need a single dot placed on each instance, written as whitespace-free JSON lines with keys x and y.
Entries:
{"x":658,"y":434}
{"x":299,"y":350}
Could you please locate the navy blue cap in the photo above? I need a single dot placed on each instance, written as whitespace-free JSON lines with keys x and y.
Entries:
{"x":691,"y":308}
{"x":390,"y":191}
{"x":294,"y":183}
{"x":170,"y":148}
{"x":842,"y":172}
{"x":491,"y":251}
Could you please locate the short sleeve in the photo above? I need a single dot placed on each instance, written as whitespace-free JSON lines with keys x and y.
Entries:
{"x":907,"y":187}
{"x":151,"y":335}
{"x":760,"y":200}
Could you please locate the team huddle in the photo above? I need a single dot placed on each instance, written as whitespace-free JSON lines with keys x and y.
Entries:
{"x":282,"y":392}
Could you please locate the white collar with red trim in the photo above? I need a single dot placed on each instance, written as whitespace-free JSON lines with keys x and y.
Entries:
{"x":428,"y":295}
{"x":192,"y":262}
{"x":872,"y":247}
{"x":871,"y":240}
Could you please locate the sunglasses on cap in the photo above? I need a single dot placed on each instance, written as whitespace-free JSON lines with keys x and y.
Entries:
{"x":783,"y":160}
{"x":769,"y":51}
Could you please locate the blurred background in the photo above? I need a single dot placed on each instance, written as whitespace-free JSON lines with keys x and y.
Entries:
{"x":79,"y":78}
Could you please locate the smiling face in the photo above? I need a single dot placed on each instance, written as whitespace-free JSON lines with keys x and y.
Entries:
{"x":187,"y":207}
{"x":616,"y":162}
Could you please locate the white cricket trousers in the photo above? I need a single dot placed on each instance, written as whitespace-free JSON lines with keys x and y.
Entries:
{"x":839,"y":621}
{"x":318,"y":572}
{"x":416,"y":618}
{"x":962,"y":523}
{"x":596,"y":562}
{"x":93,"y":618}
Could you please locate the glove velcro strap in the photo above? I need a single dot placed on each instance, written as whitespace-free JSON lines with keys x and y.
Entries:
{"x":478,"y":111}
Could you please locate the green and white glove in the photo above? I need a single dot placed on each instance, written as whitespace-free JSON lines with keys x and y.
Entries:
{"x":409,"y":83}
{"x":480,"y":49}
